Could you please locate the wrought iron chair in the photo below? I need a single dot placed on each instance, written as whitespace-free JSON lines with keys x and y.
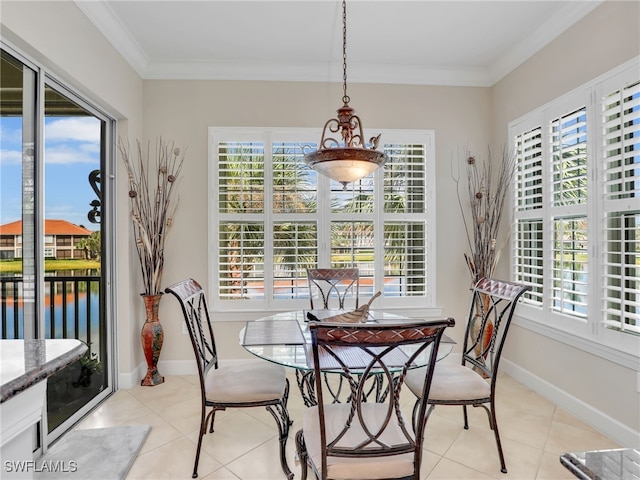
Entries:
{"x":251,"y":383}
{"x":360,"y":439}
{"x":333,"y":286}
{"x":474,"y":381}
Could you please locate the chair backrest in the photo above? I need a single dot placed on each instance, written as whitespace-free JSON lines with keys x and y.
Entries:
{"x":361,"y":354}
{"x":492,"y":306}
{"x":332,"y":286}
{"x":196,"y":315}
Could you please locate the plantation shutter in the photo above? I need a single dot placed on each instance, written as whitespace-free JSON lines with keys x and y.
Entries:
{"x":570,"y":262}
{"x":272,"y":217}
{"x":405,"y":193}
{"x":528,"y":235}
{"x":294,"y":191}
{"x":528,"y":179}
{"x":569,"y":175}
{"x":352,"y":243}
{"x":405,"y":254}
{"x":241,"y":239}
{"x":576,"y":211}
{"x":294,"y":226}
{"x":404,"y":179}
{"x":241,"y":260}
{"x":568,"y":143}
{"x":621,"y":155}
{"x":241,"y":177}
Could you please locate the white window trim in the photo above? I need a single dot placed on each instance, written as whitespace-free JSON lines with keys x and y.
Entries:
{"x":592,"y":337}
{"x":422,"y":307}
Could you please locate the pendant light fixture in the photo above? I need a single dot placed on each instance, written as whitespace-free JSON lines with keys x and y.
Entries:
{"x":345,"y":159}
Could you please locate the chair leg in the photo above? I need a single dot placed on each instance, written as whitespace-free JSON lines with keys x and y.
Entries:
{"x":211,"y":418}
{"x":493,"y":424}
{"x":414,"y":414}
{"x":283,"y":421}
{"x":503,"y":466}
{"x":197,"y":460}
{"x":306,"y":385}
{"x":285,"y":399}
{"x":466,"y":418}
{"x":203,"y":429}
{"x":204,"y":421}
{"x":302,"y":454}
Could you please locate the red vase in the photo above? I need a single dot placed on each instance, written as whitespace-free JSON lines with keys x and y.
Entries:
{"x":152,"y":338}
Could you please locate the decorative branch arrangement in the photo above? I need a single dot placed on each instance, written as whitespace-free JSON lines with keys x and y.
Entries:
{"x":153,"y":204}
{"x":487,"y":191}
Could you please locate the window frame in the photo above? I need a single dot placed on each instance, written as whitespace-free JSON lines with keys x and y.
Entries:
{"x":410,"y":305}
{"x":591,"y":334}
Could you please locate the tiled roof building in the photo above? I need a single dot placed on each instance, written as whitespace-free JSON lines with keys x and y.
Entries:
{"x":61,"y":239}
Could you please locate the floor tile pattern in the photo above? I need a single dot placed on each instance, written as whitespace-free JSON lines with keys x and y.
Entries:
{"x":244,"y":445}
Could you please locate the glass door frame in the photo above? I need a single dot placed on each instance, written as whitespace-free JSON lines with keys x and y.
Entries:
{"x":36,"y":329}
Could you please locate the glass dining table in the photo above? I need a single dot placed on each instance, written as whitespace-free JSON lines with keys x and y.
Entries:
{"x":284,"y":338}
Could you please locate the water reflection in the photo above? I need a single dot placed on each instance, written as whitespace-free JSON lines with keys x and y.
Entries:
{"x":71,"y":306}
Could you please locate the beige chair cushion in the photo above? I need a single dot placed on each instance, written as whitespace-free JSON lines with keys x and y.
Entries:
{"x":356,"y":468}
{"x":246,"y":381}
{"x":450,"y":382}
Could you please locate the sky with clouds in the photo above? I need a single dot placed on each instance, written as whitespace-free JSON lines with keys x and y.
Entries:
{"x":72,"y":151}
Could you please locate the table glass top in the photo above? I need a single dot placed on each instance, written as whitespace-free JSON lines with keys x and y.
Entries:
{"x":616,"y":464}
{"x":284,"y":338}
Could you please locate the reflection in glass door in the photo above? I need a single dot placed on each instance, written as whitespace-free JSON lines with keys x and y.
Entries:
{"x":18,"y":200}
{"x":53,"y":251}
{"x":72,"y":251}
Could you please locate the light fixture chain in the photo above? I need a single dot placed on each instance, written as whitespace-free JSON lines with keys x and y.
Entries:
{"x":345,"y":97}
{"x":345,"y":158}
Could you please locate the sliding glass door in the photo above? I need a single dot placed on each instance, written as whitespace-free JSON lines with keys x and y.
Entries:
{"x":55,"y":249}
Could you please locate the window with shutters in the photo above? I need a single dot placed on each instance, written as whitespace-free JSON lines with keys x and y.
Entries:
{"x":271,"y":217}
{"x":620,"y":127}
{"x":576,"y":211}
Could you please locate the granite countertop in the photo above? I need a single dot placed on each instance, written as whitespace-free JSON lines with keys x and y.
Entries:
{"x":616,"y":464}
{"x":24,"y":363}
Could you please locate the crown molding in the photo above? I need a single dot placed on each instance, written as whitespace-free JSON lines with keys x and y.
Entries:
{"x":315,"y":72}
{"x":105,"y":20}
{"x":569,"y":15}
{"x":108,"y":23}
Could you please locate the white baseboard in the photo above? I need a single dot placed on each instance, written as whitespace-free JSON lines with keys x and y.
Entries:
{"x":608,"y":426}
{"x":177,"y":367}
{"x":131,"y":379}
{"x":165,"y":367}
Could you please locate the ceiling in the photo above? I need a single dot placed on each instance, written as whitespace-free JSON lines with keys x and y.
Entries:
{"x":421,"y":42}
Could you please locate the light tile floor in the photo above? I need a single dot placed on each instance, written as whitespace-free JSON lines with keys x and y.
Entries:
{"x":534,"y":433}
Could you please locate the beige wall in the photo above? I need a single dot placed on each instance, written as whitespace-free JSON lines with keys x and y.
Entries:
{"x":57,"y":34}
{"x":604,"y":39}
{"x":608,"y":37}
{"x":185,"y":109}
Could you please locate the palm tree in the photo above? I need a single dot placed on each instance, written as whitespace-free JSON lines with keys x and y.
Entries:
{"x":91,"y":245}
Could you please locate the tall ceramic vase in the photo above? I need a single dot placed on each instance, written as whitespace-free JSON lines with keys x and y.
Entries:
{"x":152,"y":338}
